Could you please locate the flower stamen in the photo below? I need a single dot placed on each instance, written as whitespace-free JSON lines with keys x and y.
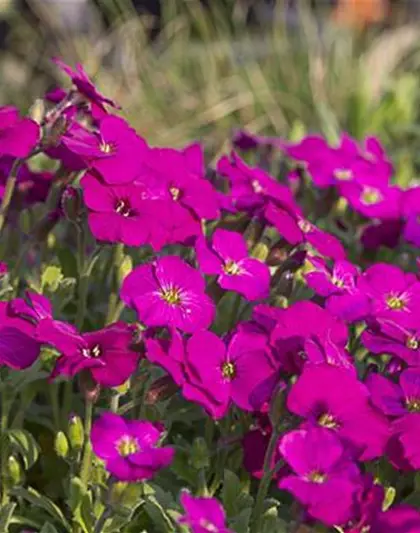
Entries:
{"x":228,"y":370}
{"x":171,"y":295}
{"x":127,"y":445}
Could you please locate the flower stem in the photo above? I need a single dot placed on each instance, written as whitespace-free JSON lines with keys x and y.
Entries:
{"x":117,"y":258}
{"x":9,"y":190}
{"x":87,"y":452}
{"x":4,"y":418}
{"x":83,"y":279}
{"x":265,"y":482}
{"x":107,"y":513}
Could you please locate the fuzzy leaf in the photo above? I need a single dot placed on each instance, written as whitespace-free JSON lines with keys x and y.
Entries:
{"x":24,"y":444}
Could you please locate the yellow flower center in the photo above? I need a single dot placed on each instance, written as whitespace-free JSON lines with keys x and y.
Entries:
{"x":327,"y":421}
{"x":175,"y":193}
{"x":337,"y":282}
{"x":106,"y":148}
{"x":412,"y":343}
{"x":413,"y":405}
{"x":123,"y":208}
{"x":208,"y":526}
{"x":257,"y":187}
{"x":94,"y":352}
{"x":370,"y":196}
{"x":395,"y":302}
{"x":305,"y":226}
{"x":317,"y":477}
{"x":127,"y":446}
{"x":232,"y":268}
{"x":228,"y":370}
{"x":172,"y":296}
{"x":343,"y":174}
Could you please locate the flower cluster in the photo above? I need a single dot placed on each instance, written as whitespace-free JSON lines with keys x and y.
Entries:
{"x":244,"y":315}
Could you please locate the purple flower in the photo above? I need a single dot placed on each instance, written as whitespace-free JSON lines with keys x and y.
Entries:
{"x":215,"y":376}
{"x":130,"y":448}
{"x":372,"y":201}
{"x":32,"y":307}
{"x":19,"y":347}
{"x":106,"y":353}
{"x":305,"y":332}
{"x":178,"y":176}
{"x":404,"y":447}
{"x":203,"y":515}
{"x":245,"y":141}
{"x":347,"y":163}
{"x":168,"y":353}
{"x":333,"y":398}
{"x":227,"y":257}
{"x":86,"y":88}
{"x":324,"y":479}
{"x":18,"y":136}
{"x":394,"y":295}
{"x":398,"y":519}
{"x":115,"y":151}
{"x":338,"y":286}
{"x":169,"y":292}
{"x":297,"y":230}
{"x":388,"y":337}
{"x":396,"y":400}
{"x":382,"y":233}
{"x":251,"y":189}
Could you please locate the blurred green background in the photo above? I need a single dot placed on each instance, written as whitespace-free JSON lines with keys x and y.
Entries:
{"x":285,"y":69}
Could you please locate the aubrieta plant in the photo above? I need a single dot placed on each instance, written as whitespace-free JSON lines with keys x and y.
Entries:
{"x":232,"y":349}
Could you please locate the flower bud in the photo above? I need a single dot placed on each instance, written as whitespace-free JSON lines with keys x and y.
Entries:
{"x":88,"y":386}
{"x":37,"y":110}
{"x":14,"y":471}
{"x":61,"y":445}
{"x":124,"y":269}
{"x":76,"y":433}
{"x":199,"y":454}
{"x":160,"y":390}
{"x":56,"y":131}
{"x":72,"y":204}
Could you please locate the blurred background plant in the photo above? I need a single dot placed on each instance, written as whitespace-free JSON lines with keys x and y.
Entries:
{"x":191,"y":69}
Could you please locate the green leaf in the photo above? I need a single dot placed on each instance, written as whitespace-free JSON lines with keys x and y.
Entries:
{"x":158,"y":515}
{"x":51,"y":278}
{"x":37,"y":500}
{"x":241,"y":522}
{"x":6,"y":514}
{"x":234,"y":498}
{"x":48,"y":528}
{"x":24,"y":444}
{"x":76,"y":494}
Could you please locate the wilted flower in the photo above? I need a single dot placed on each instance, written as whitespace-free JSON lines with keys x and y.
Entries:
{"x":130,"y":448}
{"x":227,"y":257}
{"x":169,"y":292}
{"x":203,"y":515}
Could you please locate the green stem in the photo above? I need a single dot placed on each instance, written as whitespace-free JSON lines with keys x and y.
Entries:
{"x":87,"y":452}
{"x":99,"y":526}
{"x":115,"y":400}
{"x":4,"y":419}
{"x":202,"y":490}
{"x":83,"y":279}
{"x":117,"y":258}
{"x":8,"y":192}
{"x":257,"y":513}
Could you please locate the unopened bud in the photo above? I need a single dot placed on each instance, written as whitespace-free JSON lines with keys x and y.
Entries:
{"x":72,"y":204}
{"x":76,"y":433}
{"x":253,"y":232}
{"x":160,"y":390}
{"x":283,"y":283}
{"x":124,"y":269}
{"x":61,"y":445}
{"x":56,"y":131}
{"x":88,"y":386}
{"x":14,"y":471}
{"x":277,"y":256}
{"x":37,"y":110}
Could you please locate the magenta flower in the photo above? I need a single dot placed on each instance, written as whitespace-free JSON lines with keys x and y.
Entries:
{"x":130,"y":448}
{"x":394,"y":295}
{"x":333,"y":398}
{"x":373,"y":201}
{"x":178,"y":176}
{"x":227,"y":257}
{"x":32,"y":307}
{"x":347,"y":163}
{"x":86,"y":88}
{"x":382,"y":233}
{"x":18,"y":136}
{"x":215,"y":376}
{"x":251,"y":189}
{"x":297,"y":230}
{"x":203,"y":515}
{"x":324,"y":479}
{"x":305,"y":332}
{"x":387,"y":337}
{"x":19,"y":347}
{"x":338,"y":286}
{"x":169,"y":292}
{"x":396,"y":400}
{"x":106,"y":353}
{"x":398,"y":519}
{"x":115,"y":151}
{"x":168,"y":353}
